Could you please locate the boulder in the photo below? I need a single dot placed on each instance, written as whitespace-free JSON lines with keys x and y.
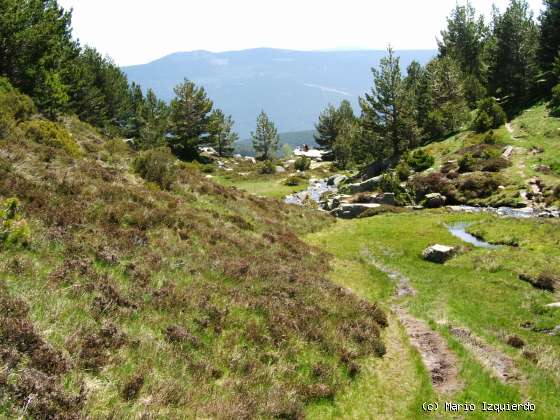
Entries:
{"x":367,"y":185}
{"x":434,"y":200}
{"x":279,"y":169}
{"x":553,"y":305}
{"x":438,"y":253}
{"x":350,"y":211}
{"x":336,"y":180}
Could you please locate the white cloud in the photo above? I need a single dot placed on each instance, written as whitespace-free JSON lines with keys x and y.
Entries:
{"x":137,"y":31}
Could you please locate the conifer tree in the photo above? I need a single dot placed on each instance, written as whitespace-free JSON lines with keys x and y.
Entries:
{"x":549,"y":41}
{"x":189,"y":118}
{"x":221,"y":132}
{"x":265,"y":137}
{"x":512,"y":66}
{"x":388,"y":110}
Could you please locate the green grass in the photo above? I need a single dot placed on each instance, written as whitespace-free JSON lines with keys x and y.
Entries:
{"x":478,"y":289}
{"x":265,"y":185}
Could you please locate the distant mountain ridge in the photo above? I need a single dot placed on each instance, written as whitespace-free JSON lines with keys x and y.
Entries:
{"x":291,"y":86}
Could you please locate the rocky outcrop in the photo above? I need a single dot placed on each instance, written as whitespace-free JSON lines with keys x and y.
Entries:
{"x":438,"y":253}
{"x":350,"y":211}
{"x":364,"y":186}
{"x":336,"y":180}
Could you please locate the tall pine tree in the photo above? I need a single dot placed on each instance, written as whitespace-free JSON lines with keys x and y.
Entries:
{"x":388,"y":111}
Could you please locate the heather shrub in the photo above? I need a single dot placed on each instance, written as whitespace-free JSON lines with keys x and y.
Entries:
{"x":16,"y":105}
{"x":433,"y":183}
{"x":467,"y":163}
{"x":402,"y":170}
{"x":14,"y":230}
{"x":302,"y":164}
{"x":478,"y":185}
{"x":51,"y":134}
{"x":157,"y":166}
{"x":420,"y":160}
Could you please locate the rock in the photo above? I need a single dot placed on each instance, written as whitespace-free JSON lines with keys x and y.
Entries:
{"x":438,"y":253}
{"x":555,"y":330}
{"x":367,"y":185}
{"x":279,"y":169}
{"x":553,"y":305}
{"x":508,"y":151}
{"x":387,"y":198}
{"x":350,"y":211}
{"x":251,"y":159}
{"x":336,"y":180}
{"x":237,"y":156}
{"x":434,"y":200}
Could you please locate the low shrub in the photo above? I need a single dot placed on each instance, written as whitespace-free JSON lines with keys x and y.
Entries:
{"x":545,"y":280}
{"x":402,"y":170}
{"x":293,"y":181}
{"x":515,"y":342}
{"x":490,"y":138}
{"x":267,"y":168}
{"x":489,"y":115}
{"x":302,"y":164}
{"x":467,"y":163}
{"x":420,"y":160}
{"x":16,"y":105}
{"x":478,"y":185}
{"x":495,"y":164}
{"x":51,"y":134}
{"x":433,"y":183}
{"x":14,"y":229}
{"x":156,"y":165}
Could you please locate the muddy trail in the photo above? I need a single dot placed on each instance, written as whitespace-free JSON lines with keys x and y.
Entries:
{"x":501,"y":365}
{"x":438,"y":359}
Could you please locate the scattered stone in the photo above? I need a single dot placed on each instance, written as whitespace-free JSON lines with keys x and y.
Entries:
{"x":351,"y":211}
{"x":555,"y":330}
{"x":438,"y":253}
{"x":553,"y":305}
{"x":508,"y":151}
{"x":279,"y":169}
{"x":434,"y":200}
{"x":250,"y":159}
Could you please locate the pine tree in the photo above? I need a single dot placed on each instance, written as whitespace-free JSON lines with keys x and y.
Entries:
{"x":388,"y":110}
{"x":221,"y":132}
{"x":190,"y":115}
{"x":549,"y":41}
{"x":330,"y":123}
{"x":464,"y":40}
{"x":155,"y":122}
{"x":265,"y":138}
{"x":512,"y":66}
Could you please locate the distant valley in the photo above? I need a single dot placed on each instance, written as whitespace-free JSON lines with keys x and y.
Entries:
{"x":291,"y":86}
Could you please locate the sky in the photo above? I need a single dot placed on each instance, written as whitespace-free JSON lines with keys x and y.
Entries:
{"x":139,"y":31}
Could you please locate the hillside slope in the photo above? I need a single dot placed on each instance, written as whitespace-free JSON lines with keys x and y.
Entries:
{"x":165,"y":296}
{"x":291,"y":86}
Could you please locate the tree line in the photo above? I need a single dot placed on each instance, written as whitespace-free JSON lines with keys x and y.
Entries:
{"x":491,"y":70}
{"x":39,"y":57}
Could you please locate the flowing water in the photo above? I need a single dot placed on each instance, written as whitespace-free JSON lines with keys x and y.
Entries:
{"x":317,"y":187}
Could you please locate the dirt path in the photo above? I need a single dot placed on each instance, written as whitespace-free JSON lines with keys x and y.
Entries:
{"x":438,"y":359}
{"x":501,"y":365}
{"x":403,"y":283}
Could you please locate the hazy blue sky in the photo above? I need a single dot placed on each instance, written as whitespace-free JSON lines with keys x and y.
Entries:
{"x":138,"y":31}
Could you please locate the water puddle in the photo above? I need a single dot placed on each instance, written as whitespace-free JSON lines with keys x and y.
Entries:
{"x":459,"y":230}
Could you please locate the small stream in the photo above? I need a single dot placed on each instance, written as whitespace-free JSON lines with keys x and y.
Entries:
{"x":459,"y":230}
{"x":317,"y":187}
